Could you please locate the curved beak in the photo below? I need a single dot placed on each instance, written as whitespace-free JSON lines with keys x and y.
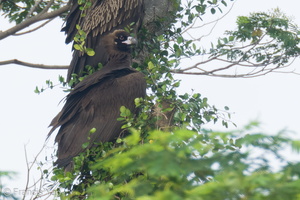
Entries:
{"x":130,"y":41}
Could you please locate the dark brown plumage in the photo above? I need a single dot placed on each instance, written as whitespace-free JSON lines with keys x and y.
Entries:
{"x":95,"y":102}
{"x":103,"y":17}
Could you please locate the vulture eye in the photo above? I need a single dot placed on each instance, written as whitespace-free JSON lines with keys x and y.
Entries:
{"x":121,"y":37}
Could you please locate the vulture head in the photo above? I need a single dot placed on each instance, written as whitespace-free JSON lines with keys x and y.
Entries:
{"x":101,"y":18}
{"x":118,"y":42}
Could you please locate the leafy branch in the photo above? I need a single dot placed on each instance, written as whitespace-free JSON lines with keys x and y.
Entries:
{"x":263,"y":43}
{"x":29,"y":18}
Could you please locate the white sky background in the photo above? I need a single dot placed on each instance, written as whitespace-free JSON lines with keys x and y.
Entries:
{"x":24,"y":116}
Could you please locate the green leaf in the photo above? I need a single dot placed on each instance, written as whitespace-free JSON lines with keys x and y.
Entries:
{"x":224,"y":3}
{"x":179,"y":40}
{"x":213,"y":11}
{"x":196,"y":95}
{"x":231,"y":38}
{"x":137,"y":102}
{"x":78,"y":27}
{"x":37,"y":90}
{"x":85,"y":145}
{"x":90,"y":52}
{"x":150,"y":65}
{"x":122,"y":109}
{"x":93,"y":130}
{"x":77,"y":47}
{"x":194,"y":46}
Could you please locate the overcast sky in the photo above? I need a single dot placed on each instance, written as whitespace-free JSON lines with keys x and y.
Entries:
{"x":273,"y":99}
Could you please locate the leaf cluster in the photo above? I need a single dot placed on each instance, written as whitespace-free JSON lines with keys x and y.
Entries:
{"x":79,"y":41}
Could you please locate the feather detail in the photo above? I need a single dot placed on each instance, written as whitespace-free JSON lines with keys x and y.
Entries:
{"x":103,"y":17}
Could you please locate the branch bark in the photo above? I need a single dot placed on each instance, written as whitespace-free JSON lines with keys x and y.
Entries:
{"x":32,"y":65}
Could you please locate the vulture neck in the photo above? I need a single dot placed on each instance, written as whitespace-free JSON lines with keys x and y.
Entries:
{"x":119,"y":60}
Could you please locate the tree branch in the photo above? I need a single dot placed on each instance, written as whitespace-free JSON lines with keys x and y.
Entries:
{"x":34,"y":19}
{"x":39,"y":66}
{"x":36,"y":28}
{"x":258,"y":71}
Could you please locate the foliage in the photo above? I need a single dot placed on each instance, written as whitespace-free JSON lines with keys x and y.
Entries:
{"x":185,"y":164}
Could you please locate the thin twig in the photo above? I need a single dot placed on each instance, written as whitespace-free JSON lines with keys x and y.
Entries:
{"x":28,"y":173}
{"x":38,"y":27}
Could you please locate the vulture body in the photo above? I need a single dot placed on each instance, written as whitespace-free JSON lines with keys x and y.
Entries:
{"x":95,"y":102}
{"x":98,"y":20}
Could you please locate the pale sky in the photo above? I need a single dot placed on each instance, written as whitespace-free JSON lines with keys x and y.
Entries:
{"x":272,"y":99}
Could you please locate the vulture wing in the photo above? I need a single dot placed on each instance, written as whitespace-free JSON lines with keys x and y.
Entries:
{"x":103,"y":17}
{"x":96,"y":105}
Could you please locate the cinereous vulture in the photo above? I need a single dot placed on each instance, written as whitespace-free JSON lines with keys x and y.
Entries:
{"x":95,"y":102}
{"x":101,"y":18}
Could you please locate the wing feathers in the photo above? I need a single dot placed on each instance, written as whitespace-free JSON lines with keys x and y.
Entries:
{"x":96,"y":105}
{"x":102,"y":16}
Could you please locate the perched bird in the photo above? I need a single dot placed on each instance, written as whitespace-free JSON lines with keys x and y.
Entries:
{"x":98,"y":20}
{"x":95,"y":102}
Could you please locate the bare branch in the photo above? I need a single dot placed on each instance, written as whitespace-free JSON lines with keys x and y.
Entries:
{"x":263,"y":70}
{"x":31,"y":30}
{"x":39,"y":66}
{"x":28,"y":171}
{"x":39,"y":17}
{"x":39,"y":188}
